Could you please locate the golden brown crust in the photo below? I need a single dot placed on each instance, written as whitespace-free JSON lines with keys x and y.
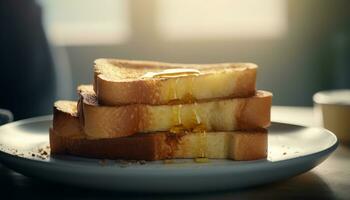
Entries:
{"x":118,"y":93}
{"x":239,"y":80}
{"x":136,"y":147}
{"x":250,"y":146}
{"x":245,"y":85}
{"x":216,"y":115}
{"x":113,"y":122}
{"x":254,"y":112}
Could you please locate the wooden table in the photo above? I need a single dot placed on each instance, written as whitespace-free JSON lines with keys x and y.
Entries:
{"x":330,"y":180}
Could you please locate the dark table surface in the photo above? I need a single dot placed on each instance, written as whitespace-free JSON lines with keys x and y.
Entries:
{"x":330,"y":180}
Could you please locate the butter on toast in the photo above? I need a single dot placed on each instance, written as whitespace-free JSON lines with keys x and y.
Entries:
{"x":213,"y":115}
{"x":67,"y":137}
{"x":146,"y":82}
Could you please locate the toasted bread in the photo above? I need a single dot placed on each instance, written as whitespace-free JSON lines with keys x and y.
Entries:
{"x":214,"y":115}
{"x":65,"y":119}
{"x":67,"y":137}
{"x":250,"y":145}
{"x":146,"y":82}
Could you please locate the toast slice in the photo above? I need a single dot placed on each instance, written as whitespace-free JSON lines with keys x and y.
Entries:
{"x":65,"y":119}
{"x":66,"y":137}
{"x":147,"y":82}
{"x":214,"y":115}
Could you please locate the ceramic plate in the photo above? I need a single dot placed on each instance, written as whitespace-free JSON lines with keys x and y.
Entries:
{"x":292,"y":150}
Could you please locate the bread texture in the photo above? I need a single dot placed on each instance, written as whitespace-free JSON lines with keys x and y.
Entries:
{"x":249,"y":145}
{"x":65,"y":119}
{"x":67,"y":137}
{"x":214,"y":115}
{"x":119,"y":82}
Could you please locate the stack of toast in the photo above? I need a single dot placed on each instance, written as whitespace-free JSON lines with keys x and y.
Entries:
{"x":144,"y":110}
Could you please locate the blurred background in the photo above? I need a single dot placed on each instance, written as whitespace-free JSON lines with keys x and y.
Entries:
{"x":48,"y":46}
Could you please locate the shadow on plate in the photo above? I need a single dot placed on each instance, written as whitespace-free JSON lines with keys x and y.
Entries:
{"x":39,"y":127}
{"x":282,"y":127}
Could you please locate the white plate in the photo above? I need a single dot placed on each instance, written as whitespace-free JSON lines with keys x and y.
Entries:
{"x":292,"y":150}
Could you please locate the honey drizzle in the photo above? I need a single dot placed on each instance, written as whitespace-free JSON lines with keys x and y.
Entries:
{"x":201,"y":160}
{"x":190,"y":91}
{"x":173,"y":88}
{"x":202,"y":137}
{"x":179,"y":107}
{"x":202,"y":141}
{"x":177,"y":126}
{"x":198,"y":119}
{"x":196,"y":125}
{"x":203,"y":145}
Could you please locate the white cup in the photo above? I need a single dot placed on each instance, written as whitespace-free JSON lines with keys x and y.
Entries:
{"x":332,"y":109}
